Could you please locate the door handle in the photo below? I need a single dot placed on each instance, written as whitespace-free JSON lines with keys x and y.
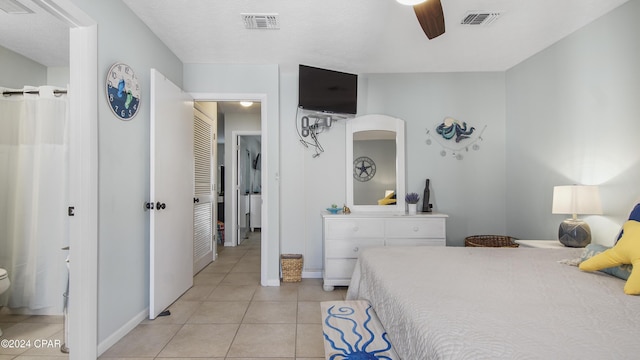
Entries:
{"x":160,"y":206}
{"x":196,"y":200}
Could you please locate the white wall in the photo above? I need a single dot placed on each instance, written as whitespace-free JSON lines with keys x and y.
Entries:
{"x":573,"y":118}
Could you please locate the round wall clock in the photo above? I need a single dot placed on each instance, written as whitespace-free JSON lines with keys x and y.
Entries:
{"x":364,"y":168}
{"x":123,"y":91}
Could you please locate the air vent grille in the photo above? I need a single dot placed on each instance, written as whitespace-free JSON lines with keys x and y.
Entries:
{"x":480,"y":17}
{"x":261,"y":21}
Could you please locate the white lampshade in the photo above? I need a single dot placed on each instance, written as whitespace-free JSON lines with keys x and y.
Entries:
{"x":410,"y":2}
{"x":576,"y":199}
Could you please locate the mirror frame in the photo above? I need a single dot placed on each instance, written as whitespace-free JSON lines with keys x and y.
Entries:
{"x":377,"y":122}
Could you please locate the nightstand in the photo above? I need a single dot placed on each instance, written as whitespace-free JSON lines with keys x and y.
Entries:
{"x":541,"y":244}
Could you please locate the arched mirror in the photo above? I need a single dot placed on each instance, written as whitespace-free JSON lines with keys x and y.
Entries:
{"x":375,"y":163}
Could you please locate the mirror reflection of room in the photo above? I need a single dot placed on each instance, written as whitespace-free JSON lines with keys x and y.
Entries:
{"x":378,"y":147}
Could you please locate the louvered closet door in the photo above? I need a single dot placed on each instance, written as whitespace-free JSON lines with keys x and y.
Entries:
{"x":203,"y":199}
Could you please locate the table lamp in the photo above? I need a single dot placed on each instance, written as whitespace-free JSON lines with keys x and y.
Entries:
{"x":574,"y":200}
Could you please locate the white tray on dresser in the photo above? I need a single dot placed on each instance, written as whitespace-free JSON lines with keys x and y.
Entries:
{"x":344,"y":237}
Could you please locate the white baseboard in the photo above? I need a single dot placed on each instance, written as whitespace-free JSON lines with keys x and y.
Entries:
{"x":124,"y":330}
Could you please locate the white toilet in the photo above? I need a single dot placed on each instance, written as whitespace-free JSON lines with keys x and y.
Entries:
{"x":4,"y":284}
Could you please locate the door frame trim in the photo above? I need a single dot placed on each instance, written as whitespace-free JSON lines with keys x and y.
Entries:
{"x":83,"y":228}
{"x":265,"y":241}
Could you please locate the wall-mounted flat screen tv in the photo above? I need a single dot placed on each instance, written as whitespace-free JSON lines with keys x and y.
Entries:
{"x":327,"y":90}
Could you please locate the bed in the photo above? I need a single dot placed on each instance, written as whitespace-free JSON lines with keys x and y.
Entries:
{"x":496,"y":303}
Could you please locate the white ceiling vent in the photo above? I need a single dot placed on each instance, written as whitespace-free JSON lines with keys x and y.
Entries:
{"x":480,"y":17}
{"x":261,"y":21}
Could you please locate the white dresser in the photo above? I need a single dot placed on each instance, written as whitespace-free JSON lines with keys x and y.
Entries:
{"x":344,"y":236}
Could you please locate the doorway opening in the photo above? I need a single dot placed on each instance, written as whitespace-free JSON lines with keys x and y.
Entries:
{"x":260,"y":99}
{"x":238,"y":171}
{"x":247,"y":167}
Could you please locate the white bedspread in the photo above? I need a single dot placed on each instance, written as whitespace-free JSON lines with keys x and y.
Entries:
{"x":496,"y":303}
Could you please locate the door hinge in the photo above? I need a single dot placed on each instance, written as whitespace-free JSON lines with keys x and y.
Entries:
{"x":71,"y":211}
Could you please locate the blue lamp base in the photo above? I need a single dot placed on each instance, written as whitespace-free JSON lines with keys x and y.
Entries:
{"x":574,"y":233}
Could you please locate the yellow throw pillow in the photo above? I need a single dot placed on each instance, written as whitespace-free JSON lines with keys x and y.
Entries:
{"x":626,"y":251}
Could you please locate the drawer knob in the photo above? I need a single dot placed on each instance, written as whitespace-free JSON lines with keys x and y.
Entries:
{"x":415,"y":228}
{"x":355,"y":249}
{"x":355,"y":229}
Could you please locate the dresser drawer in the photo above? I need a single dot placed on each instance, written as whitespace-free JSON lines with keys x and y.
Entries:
{"x":349,"y":248}
{"x":339,"y":268}
{"x":415,"y":228}
{"x":354,"y":228}
{"x":346,"y":236}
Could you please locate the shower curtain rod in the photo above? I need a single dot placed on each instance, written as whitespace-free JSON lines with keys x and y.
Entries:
{"x":9,"y":93}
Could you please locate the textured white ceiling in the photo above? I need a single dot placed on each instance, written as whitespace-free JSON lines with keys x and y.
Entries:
{"x":357,"y":36}
{"x":364,"y":36}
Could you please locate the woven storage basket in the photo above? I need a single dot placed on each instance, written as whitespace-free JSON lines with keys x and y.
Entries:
{"x":291,"y":267}
{"x":489,"y":241}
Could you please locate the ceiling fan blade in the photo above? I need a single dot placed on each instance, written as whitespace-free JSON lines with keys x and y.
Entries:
{"x":431,"y":17}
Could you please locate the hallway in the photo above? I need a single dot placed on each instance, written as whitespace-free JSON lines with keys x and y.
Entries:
{"x":228,"y":315}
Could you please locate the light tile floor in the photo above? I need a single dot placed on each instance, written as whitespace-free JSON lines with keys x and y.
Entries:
{"x":225,"y":315}
{"x":228,"y":315}
{"x":31,"y":337}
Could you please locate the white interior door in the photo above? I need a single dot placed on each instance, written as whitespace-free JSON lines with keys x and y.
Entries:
{"x":203,"y":199}
{"x":172,"y":187}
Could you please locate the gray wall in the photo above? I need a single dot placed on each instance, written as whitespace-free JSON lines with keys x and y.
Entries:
{"x":251,"y":79}
{"x":58,"y":76}
{"x":567,"y":115}
{"x":471,"y":190}
{"x":123,"y":269}
{"x":17,"y":71}
{"x":574,"y":118}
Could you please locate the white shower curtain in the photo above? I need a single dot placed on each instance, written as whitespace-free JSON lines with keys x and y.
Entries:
{"x":33,"y":197}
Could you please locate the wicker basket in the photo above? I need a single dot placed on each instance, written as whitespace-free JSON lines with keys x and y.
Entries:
{"x":291,"y":267}
{"x":490,"y":241}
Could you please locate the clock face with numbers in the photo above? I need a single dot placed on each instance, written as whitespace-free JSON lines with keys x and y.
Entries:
{"x":123,"y":91}
{"x":363,"y":169}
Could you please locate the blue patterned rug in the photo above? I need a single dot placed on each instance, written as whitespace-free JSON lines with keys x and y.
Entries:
{"x":352,"y":331}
